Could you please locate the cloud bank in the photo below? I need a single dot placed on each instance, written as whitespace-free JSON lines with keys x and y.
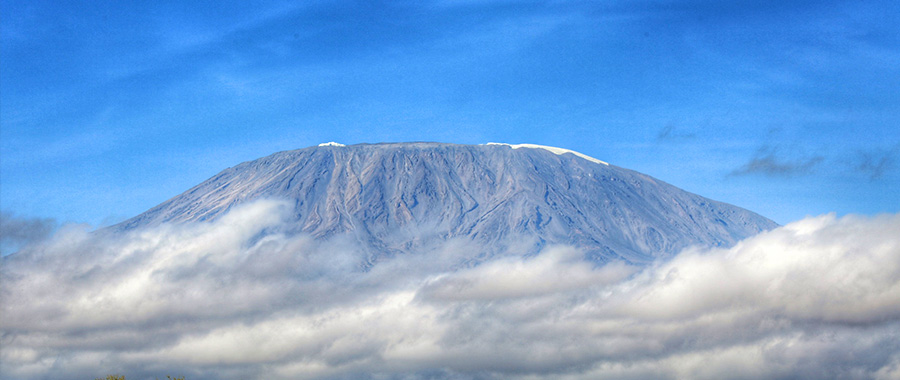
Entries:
{"x":818,"y":298}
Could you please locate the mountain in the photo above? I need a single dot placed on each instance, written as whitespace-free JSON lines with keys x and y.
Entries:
{"x":396,"y":197}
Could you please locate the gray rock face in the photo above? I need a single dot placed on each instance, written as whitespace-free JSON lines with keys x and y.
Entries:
{"x":396,"y":197}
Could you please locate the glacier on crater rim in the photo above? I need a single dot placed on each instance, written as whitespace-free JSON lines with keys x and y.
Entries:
{"x":551,"y":149}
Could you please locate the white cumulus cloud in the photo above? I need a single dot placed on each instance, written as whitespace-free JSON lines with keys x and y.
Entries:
{"x":818,"y":298}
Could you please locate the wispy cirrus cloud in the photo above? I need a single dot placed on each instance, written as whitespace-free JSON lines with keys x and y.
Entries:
{"x":770,"y":161}
{"x":228,"y":300}
{"x":875,"y":163}
{"x":16,"y":231}
{"x":670,"y":133}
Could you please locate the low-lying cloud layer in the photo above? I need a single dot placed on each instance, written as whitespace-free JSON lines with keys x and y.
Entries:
{"x":819,"y":298}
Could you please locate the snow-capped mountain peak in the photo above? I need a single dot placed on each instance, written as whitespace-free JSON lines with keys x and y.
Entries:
{"x":395,"y":197}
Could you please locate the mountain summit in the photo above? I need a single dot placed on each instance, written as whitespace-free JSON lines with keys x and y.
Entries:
{"x":394,"y":197}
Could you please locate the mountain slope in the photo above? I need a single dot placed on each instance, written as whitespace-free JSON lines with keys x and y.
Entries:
{"x":395,"y":197}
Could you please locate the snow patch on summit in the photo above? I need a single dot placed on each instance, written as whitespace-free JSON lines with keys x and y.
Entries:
{"x":331,"y":143}
{"x":552,"y":149}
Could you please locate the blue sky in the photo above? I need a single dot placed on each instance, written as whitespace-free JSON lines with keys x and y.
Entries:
{"x":787,"y":108}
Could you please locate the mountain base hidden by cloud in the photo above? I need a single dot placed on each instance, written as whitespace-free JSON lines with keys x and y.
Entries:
{"x":229,"y":299}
